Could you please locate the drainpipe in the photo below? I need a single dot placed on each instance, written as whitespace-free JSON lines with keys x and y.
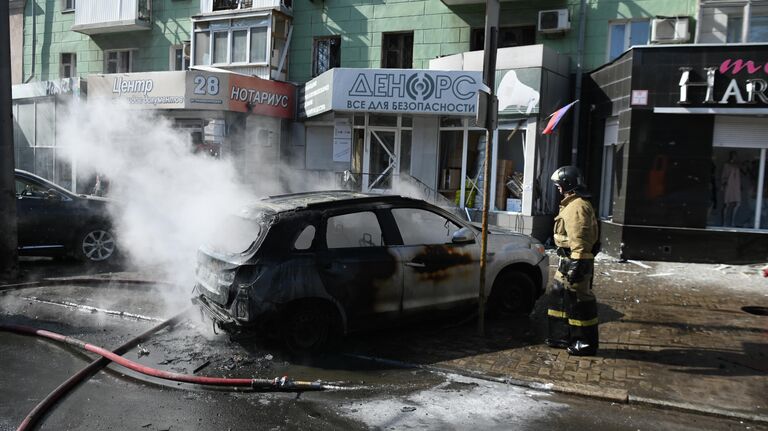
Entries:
{"x":699,"y":14}
{"x":745,"y":22}
{"x":34,"y":39}
{"x":577,"y":90}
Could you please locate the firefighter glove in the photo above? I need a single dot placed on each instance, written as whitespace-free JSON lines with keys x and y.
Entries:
{"x":577,"y":270}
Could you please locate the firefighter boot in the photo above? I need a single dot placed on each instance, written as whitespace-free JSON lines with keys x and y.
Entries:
{"x":583,"y":323}
{"x":557,"y":319}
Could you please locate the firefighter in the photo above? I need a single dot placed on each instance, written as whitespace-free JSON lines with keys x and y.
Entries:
{"x":572,"y":307}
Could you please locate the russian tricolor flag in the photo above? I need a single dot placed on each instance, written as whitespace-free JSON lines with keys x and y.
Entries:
{"x":555,"y":118}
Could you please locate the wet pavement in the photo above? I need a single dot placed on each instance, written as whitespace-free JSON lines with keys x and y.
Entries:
{"x":679,"y":340}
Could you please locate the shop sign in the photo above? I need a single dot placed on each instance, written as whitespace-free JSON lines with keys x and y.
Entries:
{"x":260,"y":96}
{"x":746,"y":83}
{"x":393,"y":91}
{"x":47,"y":88}
{"x":196,"y":89}
{"x":342,"y":140}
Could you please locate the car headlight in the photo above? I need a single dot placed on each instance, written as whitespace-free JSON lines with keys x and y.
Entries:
{"x":538,"y":247}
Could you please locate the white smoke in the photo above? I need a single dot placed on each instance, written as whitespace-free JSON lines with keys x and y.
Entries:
{"x":170,"y":201}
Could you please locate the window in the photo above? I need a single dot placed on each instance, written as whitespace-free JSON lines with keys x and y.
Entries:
{"x":305,"y":238}
{"x":623,"y":35}
{"x":421,"y":227}
{"x":354,"y":230}
{"x":118,"y":61}
{"x":508,"y":37}
{"x":30,"y":190}
{"x":67,"y":6}
{"x":739,"y":184}
{"x":68,"y":65}
{"x":239,"y":41}
{"x":758,"y":29}
{"x":327,"y":54}
{"x":397,"y":50}
{"x":180,"y":57}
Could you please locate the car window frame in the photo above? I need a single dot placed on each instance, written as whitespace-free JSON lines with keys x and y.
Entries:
{"x":62,"y":193}
{"x":298,"y":232}
{"x":436,"y":211}
{"x":386,"y":233}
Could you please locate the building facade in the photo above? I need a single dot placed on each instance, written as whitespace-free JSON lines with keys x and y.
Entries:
{"x":439,"y":152}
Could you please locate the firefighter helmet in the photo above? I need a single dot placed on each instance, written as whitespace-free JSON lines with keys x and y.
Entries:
{"x":568,"y":178}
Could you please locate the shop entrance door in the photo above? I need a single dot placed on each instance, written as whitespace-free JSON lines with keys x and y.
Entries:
{"x":381,"y":161}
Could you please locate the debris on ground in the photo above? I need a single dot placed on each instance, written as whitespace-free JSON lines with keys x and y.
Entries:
{"x":407,"y":409}
{"x":640,"y":264}
{"x":142,"y":351}
{"x":201,"y":366}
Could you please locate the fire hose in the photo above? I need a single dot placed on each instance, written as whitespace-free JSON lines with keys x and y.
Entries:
{"x":277,"y":384}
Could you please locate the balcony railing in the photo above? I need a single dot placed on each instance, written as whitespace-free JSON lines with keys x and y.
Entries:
{"x":210,"y":6}
{"x":112,"y":16}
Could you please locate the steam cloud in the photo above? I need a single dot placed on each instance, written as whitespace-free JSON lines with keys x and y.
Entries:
{"x":171,"y":201}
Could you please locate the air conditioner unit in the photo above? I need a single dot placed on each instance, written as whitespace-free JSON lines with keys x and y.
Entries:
{"x":554,"y":21}
{"x":670,"y":30}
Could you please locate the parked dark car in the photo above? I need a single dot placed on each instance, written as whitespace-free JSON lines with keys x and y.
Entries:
{"x":313,"y":266}
{"x":52,"y":221}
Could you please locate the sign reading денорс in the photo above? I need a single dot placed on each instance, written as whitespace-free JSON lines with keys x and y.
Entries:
{"x":196,"y":89}
{"x":392,"y":91}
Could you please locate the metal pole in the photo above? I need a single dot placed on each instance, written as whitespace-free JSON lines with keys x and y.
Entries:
{"x":489,"y":79}
{"x":8,"y":239}
{"x":577,"y":89}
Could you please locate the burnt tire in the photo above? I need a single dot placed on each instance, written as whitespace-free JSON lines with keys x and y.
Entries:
{"x":95,"y":245}
{"x":513,"y":293}
{"x":309,"y":327}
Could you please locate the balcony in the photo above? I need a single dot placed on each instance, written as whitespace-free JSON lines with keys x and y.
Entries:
{"x":224,"y":6}
{"x":112,"y":16}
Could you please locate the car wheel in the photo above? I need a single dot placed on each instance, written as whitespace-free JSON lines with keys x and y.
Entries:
{"x":96,"y":245}
{"x":308,"y":328}
{"x":513,"y":293}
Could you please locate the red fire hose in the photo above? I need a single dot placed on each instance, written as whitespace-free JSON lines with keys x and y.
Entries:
{"x":278,"y":383}
{"x":68,"y":385}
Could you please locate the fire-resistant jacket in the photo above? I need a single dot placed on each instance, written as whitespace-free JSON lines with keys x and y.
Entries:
{"x":576,"y":227}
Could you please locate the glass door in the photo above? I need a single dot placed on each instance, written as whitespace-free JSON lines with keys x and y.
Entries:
{"x":381,"y":161}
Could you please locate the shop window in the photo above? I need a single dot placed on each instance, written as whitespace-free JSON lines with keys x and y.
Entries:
{"x":382,"y":120}
{"x":449,"y":165}
{"x":508,"y":37}
{"x":118,"y":61}
{"x":327,"y":54}
{"x":739,"y":193}
{"x":180,"y":57}
{"x":238,"y":41}
{"x":397,"y":50}
{"x":405,"y":152}
{"x":67,"y":6}
{"x":68,"y":65}
{"x":623,"y":35}
{"x":354,"y":230}
{"x":510,"y":163}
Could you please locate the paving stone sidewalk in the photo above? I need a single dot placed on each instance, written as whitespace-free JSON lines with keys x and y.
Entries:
{"x":671,"y":335}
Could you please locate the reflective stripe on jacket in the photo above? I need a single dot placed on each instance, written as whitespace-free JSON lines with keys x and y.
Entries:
{"x":576,"y":227}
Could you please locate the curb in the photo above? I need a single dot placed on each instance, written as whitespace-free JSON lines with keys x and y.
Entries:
{"x":620,"y":396}
{"x":79,"y":280}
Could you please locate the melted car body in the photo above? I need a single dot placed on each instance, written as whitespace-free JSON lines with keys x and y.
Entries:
{"x":364,"y":260}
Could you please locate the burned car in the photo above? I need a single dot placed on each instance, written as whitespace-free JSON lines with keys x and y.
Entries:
{"x":313,"y":266}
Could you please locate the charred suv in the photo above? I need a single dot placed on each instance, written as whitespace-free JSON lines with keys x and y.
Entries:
{"x":313,"y":266}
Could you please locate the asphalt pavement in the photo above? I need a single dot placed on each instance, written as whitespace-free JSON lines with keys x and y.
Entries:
{"x":690,"y":337}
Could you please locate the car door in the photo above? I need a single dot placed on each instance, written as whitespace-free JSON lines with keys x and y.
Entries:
{"x":40,"y":214}
{"x":359,"y":270}
{"x":436,"y":272}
